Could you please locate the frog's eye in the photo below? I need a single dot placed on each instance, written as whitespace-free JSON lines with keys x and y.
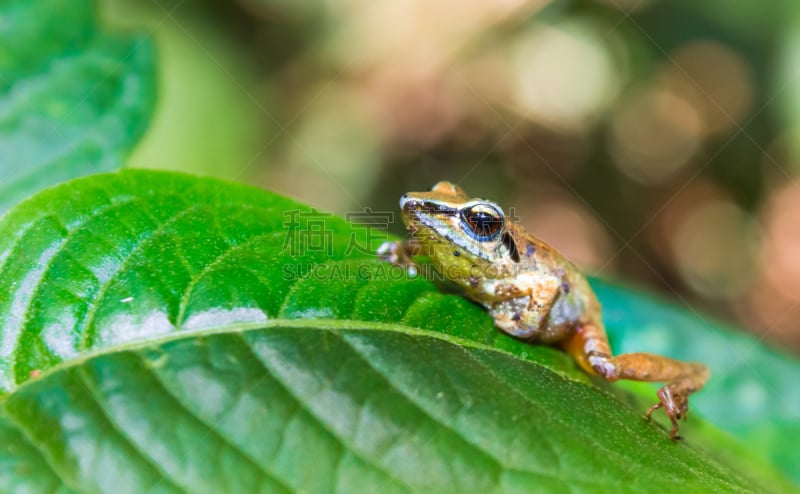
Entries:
{"x":482,"y":221}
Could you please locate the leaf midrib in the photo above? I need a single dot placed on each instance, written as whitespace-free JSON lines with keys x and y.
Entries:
{"x":323,"y":324}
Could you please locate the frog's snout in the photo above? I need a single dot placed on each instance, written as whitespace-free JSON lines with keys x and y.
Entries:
{"x":408,"y":203}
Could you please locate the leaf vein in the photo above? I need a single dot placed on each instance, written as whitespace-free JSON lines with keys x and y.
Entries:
{"x":12,"y":364}
{"x":40,"y":448}
{"x":195,"y":279}
{"x":495,"y":461}
{"x":85,"y":327}
{"x":347,"y":446}
{"x":94,"y":394}
{"x":265,"y":472}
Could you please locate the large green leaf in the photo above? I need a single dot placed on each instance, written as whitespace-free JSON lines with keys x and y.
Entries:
{"x":238,"y":351}
{"x":304,"y":409}
{"x":73,"y":98}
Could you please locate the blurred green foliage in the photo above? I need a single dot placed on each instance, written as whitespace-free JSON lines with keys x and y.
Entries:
{"x":75,"y":98}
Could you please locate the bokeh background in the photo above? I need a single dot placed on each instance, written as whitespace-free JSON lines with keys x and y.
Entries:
{"x":652,"y":141}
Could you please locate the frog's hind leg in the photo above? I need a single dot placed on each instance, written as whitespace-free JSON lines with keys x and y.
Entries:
{"x":589,"y":346}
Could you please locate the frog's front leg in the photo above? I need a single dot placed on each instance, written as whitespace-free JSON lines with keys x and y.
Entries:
{"x":589,"y":346}
{"x":521,"y":311}
{"x":400,"y":253}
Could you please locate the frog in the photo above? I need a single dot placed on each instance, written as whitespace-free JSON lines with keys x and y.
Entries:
{"x":531,"y":291}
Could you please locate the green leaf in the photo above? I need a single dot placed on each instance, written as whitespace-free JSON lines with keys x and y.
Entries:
{"x":194,"y":335}
{"x":318,"y":407}
{"x":73,"y":98}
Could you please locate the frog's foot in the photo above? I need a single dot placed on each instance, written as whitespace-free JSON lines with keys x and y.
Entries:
{"x":589,"y":346}
{"x":399,"y":254}
{"x":674,"y":399}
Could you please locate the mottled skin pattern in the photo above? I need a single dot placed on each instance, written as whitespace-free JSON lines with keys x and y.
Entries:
{"x":530,"y":290}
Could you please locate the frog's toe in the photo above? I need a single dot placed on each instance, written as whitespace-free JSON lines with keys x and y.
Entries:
{"x":389,"y":252}
{"x":675,"y":404}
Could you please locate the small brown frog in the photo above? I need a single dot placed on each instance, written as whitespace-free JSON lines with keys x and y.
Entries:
{"x":531,"y":291}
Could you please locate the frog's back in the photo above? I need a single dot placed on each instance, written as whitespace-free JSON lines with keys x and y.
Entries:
{"x":576,"y":303}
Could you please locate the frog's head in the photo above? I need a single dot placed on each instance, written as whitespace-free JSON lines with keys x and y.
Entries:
{"x":459,"y":233}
